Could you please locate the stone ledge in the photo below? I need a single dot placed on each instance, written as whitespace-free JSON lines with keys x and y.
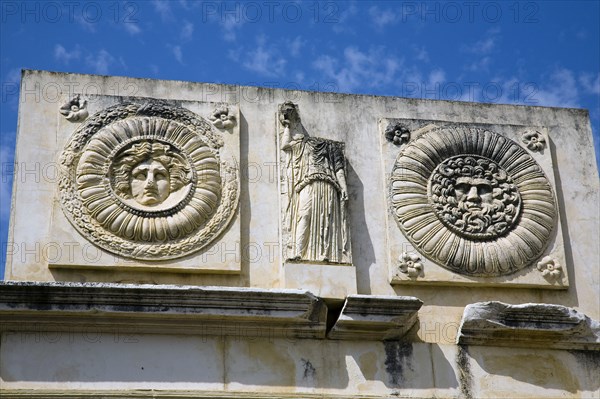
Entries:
{"x":529,"y":325}
{"x":170,"y":394}
{"x":131,"y":308}
{"x":372,"y":317}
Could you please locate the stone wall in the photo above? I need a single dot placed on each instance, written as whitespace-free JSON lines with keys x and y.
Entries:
{"x":371,"y":336}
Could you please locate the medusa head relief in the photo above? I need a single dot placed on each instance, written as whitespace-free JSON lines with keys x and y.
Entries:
{"x":149,"y":174}
{"x":148,"y":181}
{"x":472,"y":201}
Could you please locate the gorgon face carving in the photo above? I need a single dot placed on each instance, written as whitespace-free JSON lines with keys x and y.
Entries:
{"x":472,"y":201}
{"x":148,"y":172}
{"x":474,"y":197}
{"x":150,"y":182}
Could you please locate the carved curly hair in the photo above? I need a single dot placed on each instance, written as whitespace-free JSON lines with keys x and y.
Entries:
{"x":179,"y":172}
{"x":497,"y":218}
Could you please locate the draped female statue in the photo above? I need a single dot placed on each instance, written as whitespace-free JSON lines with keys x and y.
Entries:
{"x":316,"y":213}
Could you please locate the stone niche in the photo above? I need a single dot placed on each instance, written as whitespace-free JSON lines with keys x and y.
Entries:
{"x":471,"y":204}
{"x":141,"y":184}
{"x":315,"y":232}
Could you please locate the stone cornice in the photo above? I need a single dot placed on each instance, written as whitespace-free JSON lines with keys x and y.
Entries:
{"x":372,"y":317}
{"x":528,"y":325}
{"x":161,"y":309}
{"x":167,"y":394}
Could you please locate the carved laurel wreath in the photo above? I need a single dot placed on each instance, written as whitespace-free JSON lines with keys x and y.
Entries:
{"x":509,"y":235}
{"x":193,"y":217}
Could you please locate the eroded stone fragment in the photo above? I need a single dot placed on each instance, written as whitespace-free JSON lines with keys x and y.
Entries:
{"x":529,"y":325}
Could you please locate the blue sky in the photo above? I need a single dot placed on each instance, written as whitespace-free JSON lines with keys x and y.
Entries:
{"x":543,"y":53}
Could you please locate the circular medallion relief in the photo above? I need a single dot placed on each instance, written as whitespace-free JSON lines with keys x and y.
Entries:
{"x":472,"y":201}
{"x":147,"y":182}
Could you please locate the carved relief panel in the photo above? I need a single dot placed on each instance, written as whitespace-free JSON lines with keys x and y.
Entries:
{"x":314,"y":194}
{"x":470,"y":204}
{"x":150,"y":181}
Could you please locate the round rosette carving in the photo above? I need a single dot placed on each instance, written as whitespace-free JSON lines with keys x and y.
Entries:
{"x":147,"y":181}
{"x":472,"y":201}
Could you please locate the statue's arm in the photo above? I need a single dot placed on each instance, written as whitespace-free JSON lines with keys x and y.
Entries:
{"x":341,"y":178}
{"x":286,"y":138}
{"x":339,"y":165}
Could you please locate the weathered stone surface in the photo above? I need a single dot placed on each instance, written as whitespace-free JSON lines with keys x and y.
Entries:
{"x":38,"y":252}
{"x":86,"y":212}
{"x":315,"y":194}
{"x":148,"y":180}
{"x":325,"y":281}
{"x":94,"y":365}
{"x":166,"y":394}
{"x":529,"y":325}
{"x":74,"y":110}
{"x":372,"y":317}
{"x":80,"y":362}
{"x":477,"y":201}
{"x":161,"y":309}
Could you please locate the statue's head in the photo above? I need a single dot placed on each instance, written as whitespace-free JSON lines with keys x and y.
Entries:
{"x":475,"y":196}
{"x":148,"y":172}
{"x":288,"y":111}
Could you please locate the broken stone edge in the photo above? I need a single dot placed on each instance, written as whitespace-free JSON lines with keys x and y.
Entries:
{"x":376,"y":317}
{"x":158,"y":309}
{"x":528,"y":325}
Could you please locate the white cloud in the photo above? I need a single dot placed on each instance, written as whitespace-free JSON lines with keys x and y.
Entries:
{"x":100,"y":62}
{"x":411,"y":79}
{"x":296,"y":45}
{"x":265,"y":60}
{"x":229,"y":24}
{"x":381,"y":18}
{"x":163,"y":8}
{"x":481,"y":50}
{"x":326,"y":64}
{"x":559,"y":87}
{"x":87,"y":25}
{"x":188,"y":5}
{"x":187,"y":30}
{"x":589,"y":84}
{"x":482,"y":64}
{"x":359,"y":69}
{"x":341,"y":25}
{"x":235,"y":54}
{"x":132,"y":27}
{"x":299,"y":77}
{"x":122,"y":63}
{"x":436,"y":77}
{"x":421,"y":54}
{"x":177,"y":53}
{"x":229,"y":18}
{"x":485,"y":45}
{"x":63,"y":55}
{"x":560,"y":91}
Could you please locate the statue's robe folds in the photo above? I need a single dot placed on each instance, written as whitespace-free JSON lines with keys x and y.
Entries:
{"x":316,"y":215}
